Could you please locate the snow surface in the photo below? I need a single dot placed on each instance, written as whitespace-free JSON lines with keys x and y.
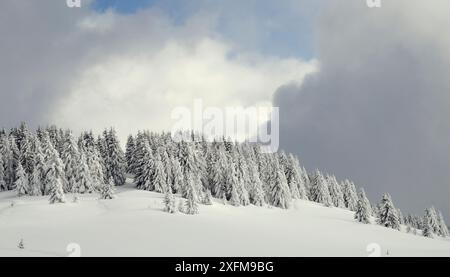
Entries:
{"x":134,"y":224}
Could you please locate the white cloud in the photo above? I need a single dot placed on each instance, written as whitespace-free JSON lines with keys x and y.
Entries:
{"x":138,"y":85}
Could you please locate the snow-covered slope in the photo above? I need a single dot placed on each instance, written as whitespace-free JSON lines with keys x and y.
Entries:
{"x":134,"y":224}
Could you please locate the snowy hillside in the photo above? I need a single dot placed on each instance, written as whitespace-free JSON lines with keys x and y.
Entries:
{"x":134,"y":224}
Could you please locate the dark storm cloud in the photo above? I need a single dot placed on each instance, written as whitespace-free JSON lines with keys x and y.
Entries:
{"x":377,"y":111}
{"x":34,"y":59}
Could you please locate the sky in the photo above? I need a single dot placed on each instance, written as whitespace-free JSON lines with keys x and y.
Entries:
{"x":362,"y":92}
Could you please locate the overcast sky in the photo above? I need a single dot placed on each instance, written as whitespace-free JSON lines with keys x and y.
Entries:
{"x":363,"y":93}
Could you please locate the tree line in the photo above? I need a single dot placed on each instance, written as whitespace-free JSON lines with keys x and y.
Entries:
{"x":52,"y":161}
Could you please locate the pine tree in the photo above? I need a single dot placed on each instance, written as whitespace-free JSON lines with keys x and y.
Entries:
{"x":363,"y":212}
{"x":177,"y":179}
{"x":335,"y":190}
{"x":243,"y":177}
{"x":319,"y":190}
{"x":26,"y":152}
{"x":146,"y":169}
{"x":130,"y":148}
{"x":218,"y":174}
{"x":2,"y":174}
{"x":56,"y":187}
{"x":427,"y":228}
{"x":6,"y":154}
{"x":191,"y":165}
{"x":388,"y":214}
{"x":115,"y":161}
{"x":21,"y":183}
{"x":443,"y":229}
{"x":279,"y":194}
{"x":93,"y":161}
{"x":21,"y":244}
{"x":37,"y":176}
{"x":296,"y":177}
{"x":207,"y":199}
{"x":138,"y":153}
{"x":256,"y":193}
{"x":431,"y":219}
{"x":14,"y":162}
{"x":83,"y":183}
{"x":54,"y":173}
{"x":169,"y":202}
{"x":107,"y":189}
{"x":159,"y":176}
{"x":70,"y":156}
{"x":288,"y":168}
{"x":191,"y":206}
{"x":231,"y":184}
{"x":167,"y":165}
{"x":350,"y":196}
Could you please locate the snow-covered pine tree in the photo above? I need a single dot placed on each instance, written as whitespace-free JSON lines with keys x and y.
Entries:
{"x":145,"y":172}
{"x":231,"y":183}
{"x":191,"y":206}
{"x":427,"y":227}
{"x":433,"y":220}
{"x":2,"y":175}
{"x":54,"y":181}
{"x":401,"y":219}
{"x":138,"y":153}
{"x":207,"y":199}
{"x":169,"y":202}
{"x":54,"y":169}
{"x":37,"y":176}
{"x":218,"y":174}
{"x":363,"y":209}
{"x":280,"y":196}
{"x":20,"y":134}
{"x":388,"y":213}
{"x":115,"y":162}
{"x":336,"y":194}
{"x":296,"y":176}
{"x":14,"y":162}
{"x":362,"y":196}
{"x":211,"y":159}
{"x":256,"y":193}
{"x":100,"y":144}
{"x":6,"y":156}
{"x":177,"y":172}
{"x":159,"y":176}
{"x":107,"y":189}
{"x":189,"y":161}
{"x":83,"y":183}
{"x":167,"y":164}
{"x":266,"y":172}
{"x":70,"y":156}
{"x":21,"y":183}
{"x":243,"y":177}
{"x":319,"y":190}
{"x":443,"y":229}
{"x":306,"y":180}
{"x":291,"y":178}
{"x":27,"y":152}
{"x":21,"y":244}
{"x":130,"y":148}
{"x":93,"y":161}
{"x":350,"y":196}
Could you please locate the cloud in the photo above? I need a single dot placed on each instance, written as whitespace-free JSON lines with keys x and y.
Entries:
{"x":87,"y":70}
{"x":376,"y":110}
